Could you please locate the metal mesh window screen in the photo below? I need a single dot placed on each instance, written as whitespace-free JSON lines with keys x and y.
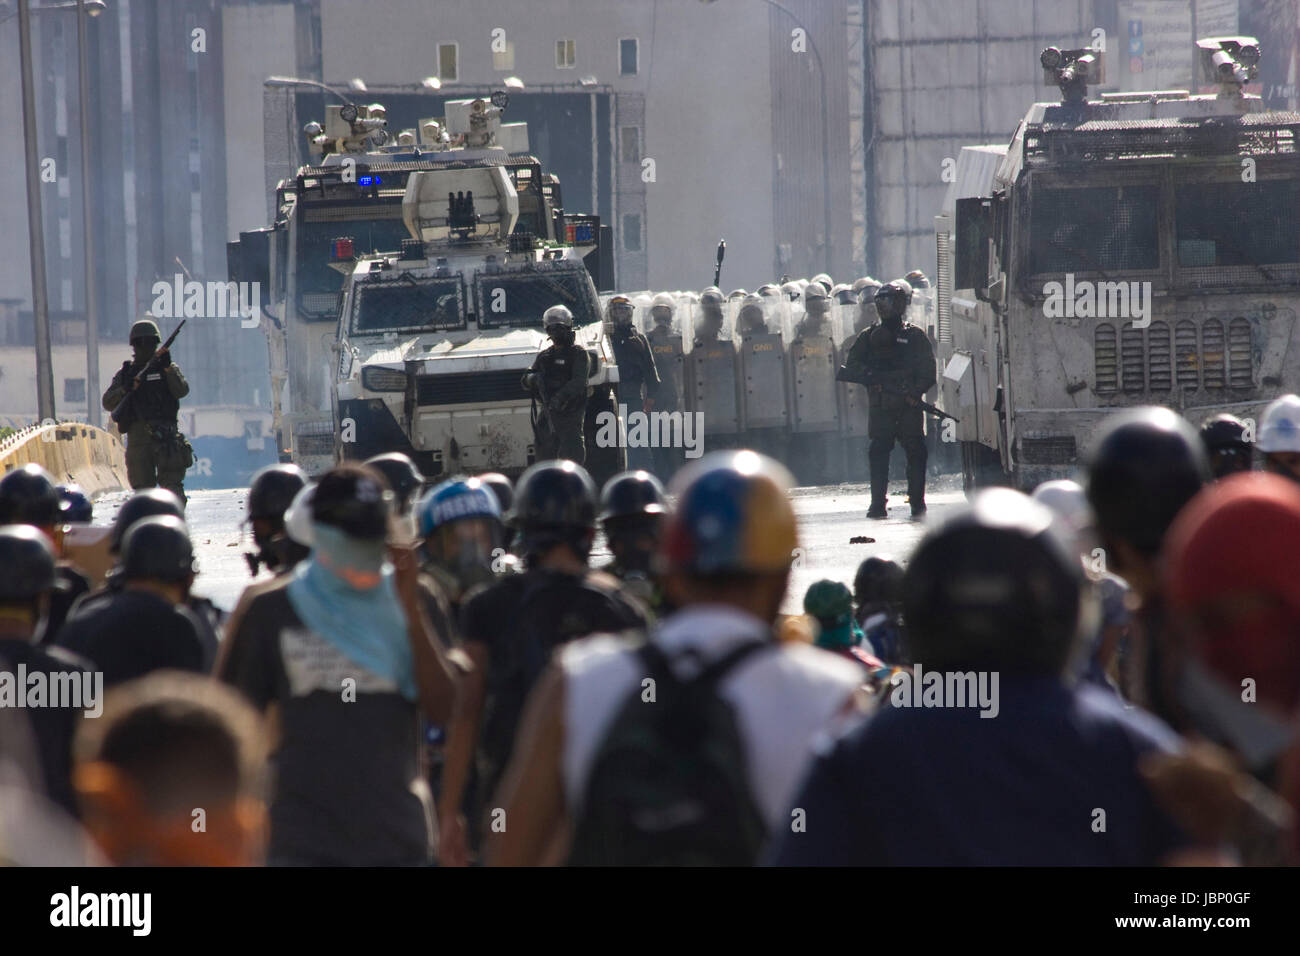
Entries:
{"x":410,"y":306}
{"x":1094,"y":229}
{"x":517,"y":301}
{"x":1234,"y":224}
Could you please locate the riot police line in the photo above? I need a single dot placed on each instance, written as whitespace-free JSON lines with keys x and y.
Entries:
{"x":758,"y":370}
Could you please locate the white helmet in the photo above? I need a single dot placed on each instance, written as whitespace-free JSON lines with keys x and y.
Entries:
{"x":1280,"y":430}
{"x":297,"y":517}
{"x":557,"y":315}
{"x":824,"y":279}
{"x":663,"y":300}
{"x":1069,"y":503}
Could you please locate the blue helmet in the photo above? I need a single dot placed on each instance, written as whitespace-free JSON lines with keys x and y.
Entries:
{"x":453,"y":500}
{"x":74,"y":505}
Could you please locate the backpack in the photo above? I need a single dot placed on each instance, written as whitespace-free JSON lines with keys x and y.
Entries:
{"x":669,"y":785}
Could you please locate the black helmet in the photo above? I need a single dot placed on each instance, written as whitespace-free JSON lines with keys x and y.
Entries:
{"x":272,"y":489}
{"x":28,"y":562}
{"x":142,"y":504}
{"x":878,"y":581}
{"x":1145,"y":465}
{"x":402,"y":476}
{"x":1223,"y":431}
{"x":28,"y":496}
{"x":157,"y":547}
{"x":632,"y":494}
{"x":75,"y":505}
{"x":554,"y":496}
{"x":995,"y":587}
{"x":892,"y":299}
{"x":355,"y":499}
{"x":501,"y":487}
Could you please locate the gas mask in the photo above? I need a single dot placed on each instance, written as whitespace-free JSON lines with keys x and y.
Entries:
{"x":561,"y":336}
{"x":143,"y":349}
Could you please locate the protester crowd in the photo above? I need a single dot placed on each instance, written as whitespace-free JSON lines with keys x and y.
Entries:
{"x":1103,"y":673}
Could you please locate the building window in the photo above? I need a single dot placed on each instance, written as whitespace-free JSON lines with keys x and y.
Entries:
{"x":627,"y":57}
{"x":630,"y":144}
{"x":505,"y":60}
{"x":449,"y":62}
{"x":566,"y":56}
{"x":74,"y":390}
{"x":631,"y":232}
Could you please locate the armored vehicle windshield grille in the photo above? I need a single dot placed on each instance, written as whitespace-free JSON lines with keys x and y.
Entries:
{"x":1152,"y":360}
{"x":1234,"y":223}
{"x":1094,"y":229}
{"x":314,"y":438}
{"x":470,"y":388}
{"x":518,"y":300}
{"x":1053,"y":450}
{"x":408,"y":306}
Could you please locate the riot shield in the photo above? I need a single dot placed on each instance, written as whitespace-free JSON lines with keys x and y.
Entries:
{"x":853,"y":397}
{"x":762,"y":362}
{"x":667,"y":348}
{"x":710,"y":371}
{"x":813,"y":361}
{"x":641,"y":319}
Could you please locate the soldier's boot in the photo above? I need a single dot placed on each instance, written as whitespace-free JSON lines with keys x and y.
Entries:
{"x":878,"y":458}
{"x":917,"y":454}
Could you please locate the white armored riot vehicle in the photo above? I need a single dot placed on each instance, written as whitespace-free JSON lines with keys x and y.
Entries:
{"x":1137,"y":249}
{"x":354,"y":189}
{"x":435,"y":336}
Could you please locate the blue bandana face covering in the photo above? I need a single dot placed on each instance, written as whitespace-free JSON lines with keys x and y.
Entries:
{"x":345,"y":592}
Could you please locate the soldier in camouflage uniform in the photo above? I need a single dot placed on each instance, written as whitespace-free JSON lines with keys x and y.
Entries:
{"x":157,"y":454}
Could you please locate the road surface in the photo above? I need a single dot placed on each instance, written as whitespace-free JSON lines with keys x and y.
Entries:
{"x":829,"y":515}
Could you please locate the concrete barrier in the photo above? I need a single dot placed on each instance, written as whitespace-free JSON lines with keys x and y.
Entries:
{"x":71,"y":452}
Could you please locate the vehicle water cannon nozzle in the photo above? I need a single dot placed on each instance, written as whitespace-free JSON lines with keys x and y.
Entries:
{"x":1232,"y":62}
{"x":1072,"y":70}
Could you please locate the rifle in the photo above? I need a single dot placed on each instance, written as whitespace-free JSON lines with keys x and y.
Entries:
{"x":857,"y":376}
{"x":546,"y":405}
{"x":120,"y":412}
{"x":722,"y":251}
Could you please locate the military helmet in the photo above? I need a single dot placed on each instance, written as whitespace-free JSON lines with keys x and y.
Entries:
{"x":142,"y":504}
{"x":917,"y":278}
{"x":28,"y":496}
{"x":502,"y":487}
{"x":158,"y":547}
{"x":272,"y":489}
{"x":824,"y":279}
{"x":557,"y":315}
{"x":621,"y":310}
{"x":1144,"y":466}
{"x":733,"y":515}
{"x":815,"y":290}
{"x":865,"y":281}
{"x":663,"y":301}
{"x":711,"y":296}
{"x":401,"y":474}
{"x":893,"y":298}
{"x":843,"y":294}
{"x":75,"y":505}
{"x":554,"y":496}
{"x":879,"y":579}
{"x":28,"y":562}
{"x":455,"y":500}
{"x":995,"y":587}
{"x":145,"y":329}
{"x":632,"y":494}
{"x":793,"y":291}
